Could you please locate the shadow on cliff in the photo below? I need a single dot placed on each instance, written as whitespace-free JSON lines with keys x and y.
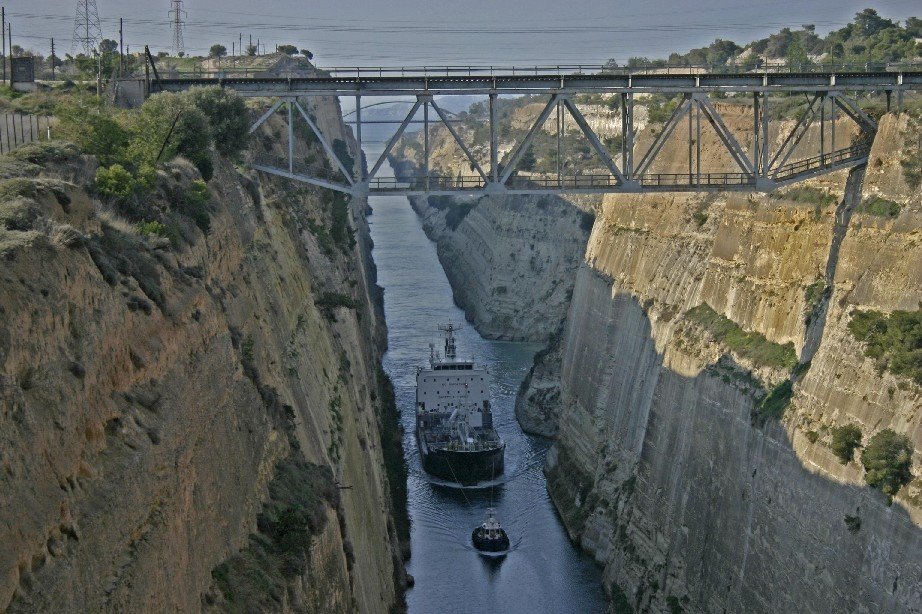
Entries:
{"x":700,"y":503}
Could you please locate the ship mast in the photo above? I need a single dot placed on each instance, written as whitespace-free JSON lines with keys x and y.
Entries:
{"x":449,"y":330}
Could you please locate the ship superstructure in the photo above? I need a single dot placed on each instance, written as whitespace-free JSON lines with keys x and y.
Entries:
{"x":454,"y":419}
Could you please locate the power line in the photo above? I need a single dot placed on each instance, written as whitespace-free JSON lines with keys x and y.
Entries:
{"x":87,"y":32}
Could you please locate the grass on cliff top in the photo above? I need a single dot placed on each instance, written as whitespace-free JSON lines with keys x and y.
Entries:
{"x":894,"y":341}
{"x":807,"y":195}
{"x":880,"y":207}
{"x":749,"y":345}
{"x":255,"y":579}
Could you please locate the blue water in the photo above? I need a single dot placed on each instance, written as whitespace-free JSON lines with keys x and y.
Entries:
{"x":544,"y":572}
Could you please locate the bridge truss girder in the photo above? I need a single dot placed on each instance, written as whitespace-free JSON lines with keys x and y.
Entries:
{"x":760,"y":170}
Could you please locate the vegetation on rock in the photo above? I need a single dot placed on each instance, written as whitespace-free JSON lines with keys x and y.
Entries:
{"x":887,"y":460}
{"x":255,"y":578}
{"x":749,"y":345}
{"x":894,"y":341}
{"x":328,"y":302}
{"x":845,"y":439}
{"x":881,"y":207}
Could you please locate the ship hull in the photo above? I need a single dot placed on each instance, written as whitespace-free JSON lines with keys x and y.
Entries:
{"x":463,"y":467}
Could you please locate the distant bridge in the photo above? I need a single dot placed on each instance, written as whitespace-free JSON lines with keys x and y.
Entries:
{"x":757,"y":167}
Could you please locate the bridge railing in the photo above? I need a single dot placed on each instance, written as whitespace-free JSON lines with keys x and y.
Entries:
{"x":481,"y":70}
{"x":465,"y":182}
{"x":572,"y":182}
{"x":827,"y":160}
{"x":671,"y":180}
{"x":590,"y":181}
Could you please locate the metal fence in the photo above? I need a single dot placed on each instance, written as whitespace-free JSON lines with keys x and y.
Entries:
{"x":18,"y":129}
{"x":558,"y":69}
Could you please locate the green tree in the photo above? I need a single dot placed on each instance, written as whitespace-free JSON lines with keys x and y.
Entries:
{"x":108,"y":46}
{"x":887,"y":460}
{"x":217,"y":51}
{"x":251,"y":50}
{"x":914,"y":27}
{"x":171,"y":122}
{"x":868,"y":23}
{"x":795,"y":54}
{"x":227,"y":117}
{"x":845,"y":439}
{"x":288,"y":49}
{"x":94,"y":131}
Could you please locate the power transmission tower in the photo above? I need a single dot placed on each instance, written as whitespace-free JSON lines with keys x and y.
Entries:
{"x":87,"y":32}
{"x":177,"y":21}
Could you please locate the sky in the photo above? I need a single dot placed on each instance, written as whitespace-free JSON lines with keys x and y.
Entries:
{"x":440,"y":32}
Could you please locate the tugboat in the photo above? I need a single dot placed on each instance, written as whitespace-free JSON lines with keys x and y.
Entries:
{"x":490,"y":536}
{"x":454,"y":421}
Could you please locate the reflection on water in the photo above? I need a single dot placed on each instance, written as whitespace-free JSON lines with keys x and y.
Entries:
{"x":543,"y":572}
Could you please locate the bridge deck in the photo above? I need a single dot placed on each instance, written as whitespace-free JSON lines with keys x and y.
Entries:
{"x":375,"y":85}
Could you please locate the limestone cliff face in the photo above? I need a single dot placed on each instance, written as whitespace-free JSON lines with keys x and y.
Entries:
{"x":161,"y":409}
{"x":664,"y":468}
{"x":511,"y":261}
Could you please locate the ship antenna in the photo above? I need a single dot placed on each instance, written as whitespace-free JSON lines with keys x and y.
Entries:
{"x":449,"y":330}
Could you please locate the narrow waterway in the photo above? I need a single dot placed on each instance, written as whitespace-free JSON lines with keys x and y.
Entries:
{"x":544,"y":572}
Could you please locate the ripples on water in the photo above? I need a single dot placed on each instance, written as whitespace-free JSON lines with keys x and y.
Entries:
{"x":544,"y":571}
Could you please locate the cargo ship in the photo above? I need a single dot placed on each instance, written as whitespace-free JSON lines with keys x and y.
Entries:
{"x":454,"y":420}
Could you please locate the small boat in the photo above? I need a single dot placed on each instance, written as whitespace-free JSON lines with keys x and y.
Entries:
{"x":490,"y":536}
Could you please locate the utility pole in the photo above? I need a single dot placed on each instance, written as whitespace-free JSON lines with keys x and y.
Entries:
{"x":177,"y":19}
{"x":121,"y":47}
{"x":3,"y":50}
{"x":53,"y":59}
{"x":87,"y":32}
{"x":250,"y":46}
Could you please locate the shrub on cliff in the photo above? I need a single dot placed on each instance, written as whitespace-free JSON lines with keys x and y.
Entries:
{"x":880,"y":207}
{"x":894,"y":341}
{"x":887,"y":460}
{"x":254,"y":579}
{"x":328,"y":302}
{"x":171,"y":123}
{"x":95,"y":131}
{"x":115,"y":183}
{"x":750,"y":345}
{"x":845,"y":439}
{"x":340,"y":230}
{"x":227,"y":117}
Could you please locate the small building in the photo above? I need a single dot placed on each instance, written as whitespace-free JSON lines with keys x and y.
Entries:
{"x":22,"y":74}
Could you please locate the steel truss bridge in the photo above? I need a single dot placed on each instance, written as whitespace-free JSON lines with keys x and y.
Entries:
{"x":758,"y":167}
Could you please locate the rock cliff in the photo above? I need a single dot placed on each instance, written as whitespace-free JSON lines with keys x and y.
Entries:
{"x":674,"y":465}
{"x":510,"y":268}
{"x":195,"y":426}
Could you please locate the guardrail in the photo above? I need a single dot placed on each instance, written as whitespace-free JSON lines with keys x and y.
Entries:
{"x":18,"y":129}
{"x":661,"y":180}
{"x":581,"y":182}
{"x":562,"y":70}
{"x":834,"y":158}
{"x":465,"y":182}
